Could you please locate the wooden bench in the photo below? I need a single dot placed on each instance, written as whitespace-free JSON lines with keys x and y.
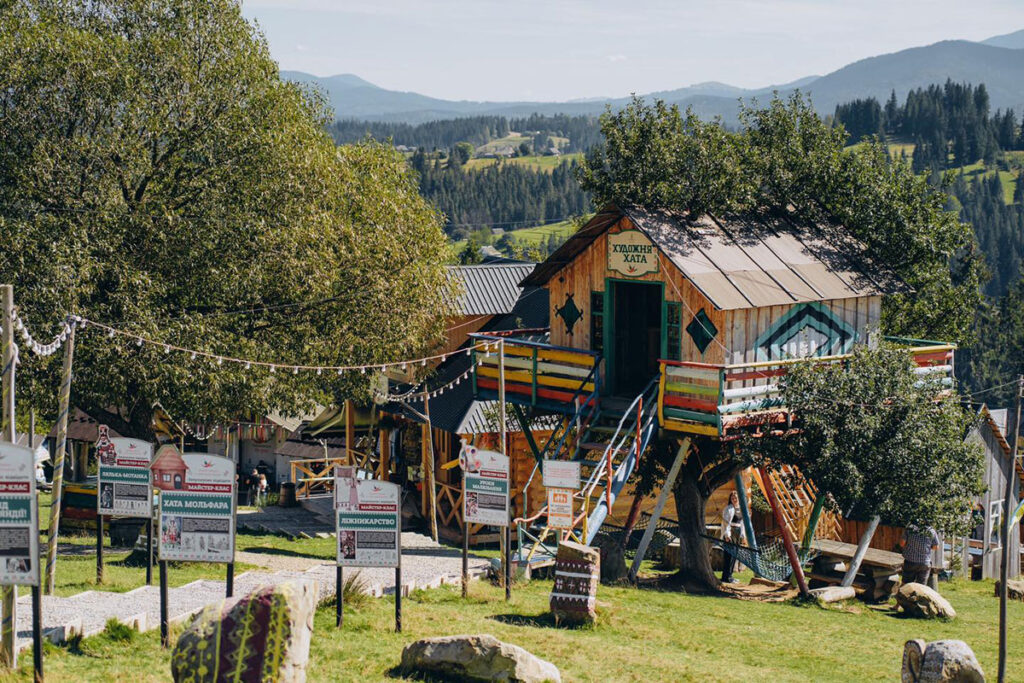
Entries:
{"x":878,"y":576}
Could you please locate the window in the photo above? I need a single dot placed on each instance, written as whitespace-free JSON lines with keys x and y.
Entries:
{"x":166,"y":477}
{"x":673,"y":331}
{"x":995,"y":524}
{"x":597,"y":321}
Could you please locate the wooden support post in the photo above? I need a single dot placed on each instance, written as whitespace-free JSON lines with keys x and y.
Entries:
{"x":787,"y":540}
{"x":507,"y":561}
{"x":165,"y":636}
{"x":430,"y":469}
{"x":398,"y":581}
{"x":350,"y":434}
{"x":1011,"y":475}
{"x":659,"y":505}
{"x":465,"y":557}
{"x":862,"y":549}
{"x":634,"y":514}
{"x":149,"y":551}
{"x":99,"y":549}
{"x":748,"y":524}
{"x":63,"y":411}
{"x":339,"y":597}
{"x":812,"y":522}
{"x":385,"y":454}
{"x":8,"y":594}
{"x":229,"y":587}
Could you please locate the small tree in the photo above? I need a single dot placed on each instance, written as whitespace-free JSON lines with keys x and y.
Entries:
{"x":881,"y":440}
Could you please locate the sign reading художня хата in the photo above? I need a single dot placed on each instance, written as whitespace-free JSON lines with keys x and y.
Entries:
{"x":197,"y":498}
{"x":19,"y":535}
{"x":125,"y":488}
{"x":631,"y":253}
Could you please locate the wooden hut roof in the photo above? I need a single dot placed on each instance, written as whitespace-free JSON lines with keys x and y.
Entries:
{"x":744,"y":261}
{"x":488,"y":289}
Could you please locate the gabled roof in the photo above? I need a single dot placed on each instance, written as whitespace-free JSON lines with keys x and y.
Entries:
{"x":488,"y":289}
{"x":744,"y":261}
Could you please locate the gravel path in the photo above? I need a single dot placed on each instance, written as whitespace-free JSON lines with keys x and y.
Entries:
{"x":425,"y":564}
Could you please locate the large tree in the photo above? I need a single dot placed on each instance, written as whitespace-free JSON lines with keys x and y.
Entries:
{"x":785,"y":159}
{"x":157,"y":175}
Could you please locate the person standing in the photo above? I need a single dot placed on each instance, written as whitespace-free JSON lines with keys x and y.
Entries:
{"x":732,"y":532}
{"x":253,"y":485}
{"x":262,"y":498}
{"x":918,"y":546}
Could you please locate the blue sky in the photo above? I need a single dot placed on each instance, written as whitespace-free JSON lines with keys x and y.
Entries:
{"x":566,"y":49}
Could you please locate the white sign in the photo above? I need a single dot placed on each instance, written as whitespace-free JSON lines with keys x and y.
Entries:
{"x":197,"y":505}
{"x":631,"y":253}
{"x":367,"y":520}
{"x":19,"y":529}
{"x":484,"y":486}
{"x":125,"y":486}
{"x":560,"y":508}
{"x":562,"y":474}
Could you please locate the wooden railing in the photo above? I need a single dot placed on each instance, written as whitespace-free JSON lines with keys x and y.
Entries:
{"x":316,"y":476}
{"x":700,"y":398}
{"x":536,"y":374}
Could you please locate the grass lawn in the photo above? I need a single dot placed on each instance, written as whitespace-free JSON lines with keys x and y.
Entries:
{"x":532,"y":236}
{"x":642,"y":635}
{"x":538,"y":163}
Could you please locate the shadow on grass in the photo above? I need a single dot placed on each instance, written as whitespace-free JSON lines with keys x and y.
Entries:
{"x":542,"y":620}
{"x":262,"y":550}
{"x":396,"y":672}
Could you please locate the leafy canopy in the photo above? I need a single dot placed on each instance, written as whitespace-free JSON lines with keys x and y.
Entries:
{"x":786,"y":159}
{"x":880,"y":440}
{"x":157,"y":175}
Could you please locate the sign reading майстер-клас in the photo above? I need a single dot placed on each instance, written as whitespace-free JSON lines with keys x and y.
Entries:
{"x":368,"y":522}
{"x":125,"y":485}
{"x":197,"y":499}
{"x":485,"y":482}
{"x":19,"y":529}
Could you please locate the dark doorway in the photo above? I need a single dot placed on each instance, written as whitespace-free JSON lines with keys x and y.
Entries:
{"x":636,"y":330}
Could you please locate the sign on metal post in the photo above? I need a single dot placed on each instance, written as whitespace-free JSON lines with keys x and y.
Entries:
{"x":560,"y":512}
{"x":19,"y":538}
{"x":562,"y":474}
{"x":368,"y":520}
{"x":125,"y":484}
{"x":197,"y":498}
{"x":485,"y":486}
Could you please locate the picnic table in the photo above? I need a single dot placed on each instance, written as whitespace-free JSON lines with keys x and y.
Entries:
{"x":878,"y":576}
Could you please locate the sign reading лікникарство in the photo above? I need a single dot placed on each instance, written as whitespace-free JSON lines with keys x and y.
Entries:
{"x":367,"y":520}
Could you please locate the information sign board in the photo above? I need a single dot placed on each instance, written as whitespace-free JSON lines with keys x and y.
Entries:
{"x":125,"y":483}
{"x":560,"y":508}
{"x":368,"y":520}
{"x":485,"y":486}
{"x":197,"y":506}
{"x":19,"y":534}
{"x":562,"y":474}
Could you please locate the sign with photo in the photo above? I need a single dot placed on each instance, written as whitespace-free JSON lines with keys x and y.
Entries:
{"x":19,"y":529}
{"x":560,"y":508}
{"x":561,"y":474}
{"x":484,"y":486}
{"x":368,"y":520}
{"x":125,"y":487}
{"x":197,"y":505}
{"x":630,"y":253}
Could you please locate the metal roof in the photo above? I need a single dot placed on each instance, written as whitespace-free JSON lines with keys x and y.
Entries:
{"x":745,"y":261}
{"x":488,"y":289}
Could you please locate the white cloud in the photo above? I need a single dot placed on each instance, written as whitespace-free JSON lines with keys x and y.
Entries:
{"x":616,"y":58}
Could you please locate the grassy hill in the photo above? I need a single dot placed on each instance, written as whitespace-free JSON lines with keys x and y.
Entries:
{"x":539,"y":163}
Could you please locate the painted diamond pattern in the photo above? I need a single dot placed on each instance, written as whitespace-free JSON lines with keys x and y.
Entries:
{"x":569,"y":313}
{"x":701,"y":330}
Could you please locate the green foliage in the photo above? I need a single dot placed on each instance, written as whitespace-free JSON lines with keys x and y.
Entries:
{"x":156,"y":174}
{"x":118,"y":632}
{"x":881,"y":441}
{"x":786,"y":159}
{"x":995,"y":361}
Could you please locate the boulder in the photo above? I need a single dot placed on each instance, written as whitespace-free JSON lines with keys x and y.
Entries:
{"x":263,"y":636}
{"x":577,"y":574}
{"x":833,"y":594}
{"x":940,"y":661}
{"x":918,"y":600}
{"x":1014,"y":589}
{"x":476,"y":658}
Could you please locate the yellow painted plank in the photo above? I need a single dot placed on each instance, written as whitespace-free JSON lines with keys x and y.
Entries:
{"x":691,"y":427}
{"x":680,"y":388}
{"x":527,"y":364}
{"x":550,"y":354}
{"x":542,"y":380}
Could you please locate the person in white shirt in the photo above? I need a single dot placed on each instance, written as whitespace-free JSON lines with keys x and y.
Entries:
{"x":732,"y":532}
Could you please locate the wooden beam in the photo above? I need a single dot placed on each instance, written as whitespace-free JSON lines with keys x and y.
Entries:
{"x":652,"y":523}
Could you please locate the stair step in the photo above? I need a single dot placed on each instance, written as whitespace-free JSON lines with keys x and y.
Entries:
{"x":604,"y":429}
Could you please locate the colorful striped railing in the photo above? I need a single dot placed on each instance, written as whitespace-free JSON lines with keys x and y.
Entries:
{"x":701,"y":398}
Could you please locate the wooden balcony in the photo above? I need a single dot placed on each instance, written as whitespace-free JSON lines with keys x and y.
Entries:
{"x":716,"y":400}
{"x":552,"y":378}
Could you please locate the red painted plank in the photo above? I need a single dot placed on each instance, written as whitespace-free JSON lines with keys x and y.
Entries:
{"x":755,"y":374}
{"x":691,"y":404}
{"x":561,"y":396}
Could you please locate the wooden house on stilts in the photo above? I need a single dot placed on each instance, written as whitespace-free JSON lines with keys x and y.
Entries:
{"x":665,"y":328}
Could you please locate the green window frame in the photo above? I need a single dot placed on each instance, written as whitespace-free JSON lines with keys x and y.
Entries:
{"x":597,"y":322}
{"x":673,"y":330}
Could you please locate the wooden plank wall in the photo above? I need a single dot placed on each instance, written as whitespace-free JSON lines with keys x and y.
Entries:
{"x":746,"y":325}
{"x":458,"y":330}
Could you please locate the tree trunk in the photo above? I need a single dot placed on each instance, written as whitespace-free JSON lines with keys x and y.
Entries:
{"x":695,"y":573}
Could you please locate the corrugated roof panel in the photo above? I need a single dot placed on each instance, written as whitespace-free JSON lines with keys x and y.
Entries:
{"x":488,"y":289}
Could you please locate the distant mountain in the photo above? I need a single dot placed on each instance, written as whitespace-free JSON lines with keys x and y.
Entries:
{"x":1014,"y":41}
{"x":998,"y":63}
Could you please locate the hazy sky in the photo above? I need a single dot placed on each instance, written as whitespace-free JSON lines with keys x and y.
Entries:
{"x":565,"y":49}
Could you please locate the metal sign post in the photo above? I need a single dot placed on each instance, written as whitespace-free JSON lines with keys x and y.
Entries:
{"x":398,"y":581}
{"x":8,"y":651}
